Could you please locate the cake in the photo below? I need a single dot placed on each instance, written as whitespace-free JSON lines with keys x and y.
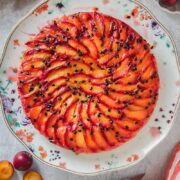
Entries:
{"x":88,"y":82}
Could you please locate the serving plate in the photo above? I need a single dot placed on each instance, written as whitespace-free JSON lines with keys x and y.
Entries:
{"x":137,"y":16}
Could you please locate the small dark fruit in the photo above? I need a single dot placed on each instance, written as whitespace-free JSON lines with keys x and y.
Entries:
{"x":169,"y":2}
{"x":22,"y":161}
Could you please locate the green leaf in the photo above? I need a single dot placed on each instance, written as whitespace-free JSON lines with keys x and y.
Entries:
{"x":17,"y":124}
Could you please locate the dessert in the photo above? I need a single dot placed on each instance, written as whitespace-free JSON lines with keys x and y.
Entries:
{"x":88,"y":82}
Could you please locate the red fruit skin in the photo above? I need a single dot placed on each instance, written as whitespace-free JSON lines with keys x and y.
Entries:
{"x":22,"y":161}
{"x":169,"y":2}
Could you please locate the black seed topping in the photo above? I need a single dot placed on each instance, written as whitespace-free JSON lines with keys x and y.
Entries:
{"x":104,"y":51}
{"x":80,"y":52}
{"x":127,"y":127}
{"x":160,"y":109}
{"x":106,"y":91}
{"x":139,"y":40}
{"x":163,"y":116}
{"x":168,"y":121}
{"x":60,"y":5}
{"x":99,"y":114}
{"x":145,"y":47}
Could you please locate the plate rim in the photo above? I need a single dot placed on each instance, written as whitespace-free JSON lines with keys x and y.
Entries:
{"x":4,"y":48}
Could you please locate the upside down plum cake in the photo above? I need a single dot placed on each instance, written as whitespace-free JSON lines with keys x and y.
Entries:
{"x":88,"y":82}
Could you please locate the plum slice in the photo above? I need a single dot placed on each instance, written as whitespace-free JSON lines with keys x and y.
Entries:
{"x":99,"y":138}
{"x":109,"y":102}
{"x":70,"y":139}
{"x":122,"y":134}
{"x":76,"y":67}
{"x":62,"y":101}
{"x":90,"y":45}
{"x":42,"y":120}
{"x":121,"y":96}
{"x":50,"y":127}
{"x":138,"y":114}
{"x":72,"y":113}
{"x":92,"y":145}
{"x":31,"y":55}
{"x":60,"y":132}
{"x":109,"y":112}
{"x":30,"y":76}
{"x":80,"y":140}
{"x":98,"y":25}
{"x":35,"y":64}
{"x":108,"y":54}
{"x":34,"y":113}
{"x":66,"y":50}
{"x":79,"y":47}
{"x":123,"y":88}
{"x":122,"y":69}
{"x":84,"y":117}
{"x":68,"y":28}
{"x":118,"y":58}
{"x":130,"y":124}
{"x":54,"y":85}
{"x":29,"y":88}
{"x":110,"y":136}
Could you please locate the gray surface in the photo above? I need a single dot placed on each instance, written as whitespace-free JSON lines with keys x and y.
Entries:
{"x":154,"y":164}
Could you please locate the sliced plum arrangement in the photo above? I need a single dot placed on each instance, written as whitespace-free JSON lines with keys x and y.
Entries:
{"x":88,"y":82}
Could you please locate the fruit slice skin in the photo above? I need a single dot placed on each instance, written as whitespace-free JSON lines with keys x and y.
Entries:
{"x":6,"y":170}
{"x":88,"y":82}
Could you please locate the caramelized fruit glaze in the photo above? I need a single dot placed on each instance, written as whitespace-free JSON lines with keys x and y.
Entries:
{"x":88,"y":82}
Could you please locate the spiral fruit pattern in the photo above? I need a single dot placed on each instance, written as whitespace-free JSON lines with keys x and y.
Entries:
{"x":88,"y":82}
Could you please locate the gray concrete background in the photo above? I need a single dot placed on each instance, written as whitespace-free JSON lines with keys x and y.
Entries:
{"x":154,"y":164}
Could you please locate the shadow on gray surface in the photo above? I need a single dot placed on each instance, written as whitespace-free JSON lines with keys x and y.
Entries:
{"x":19,"y":4}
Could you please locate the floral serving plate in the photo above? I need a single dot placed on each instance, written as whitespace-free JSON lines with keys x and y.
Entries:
{"x":137,"y":16}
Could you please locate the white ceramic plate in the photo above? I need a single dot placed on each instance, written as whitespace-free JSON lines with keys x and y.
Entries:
{"x":153,"y":132}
